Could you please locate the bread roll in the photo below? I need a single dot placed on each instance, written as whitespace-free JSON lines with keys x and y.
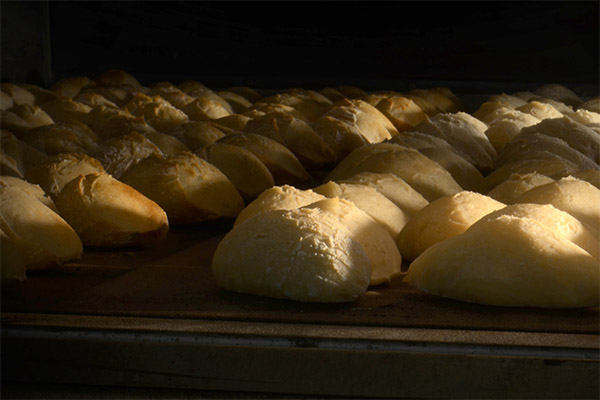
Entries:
{"x":210,"y":96}
{"x":205,"y":109}
{"x":281,"y":162}
{"x":156,"y":111}
{"x":119,"y":153}
{"x":12,"y":122}
{"x":247,"y":173}
{"x":29,"y":188}
{"x":18,"y":94}
{"x":540,"y":110}
{"x":188,"y":188}
{"x":16,"y":156}
{"x":440,"y":151}
{"x":559,"y":93}
{"x":196,"y":134}
{"x":6,"y":102}
{"x":505,"y":123}
{"x":238,"y":103}
{"x":33,"y":115}
{"x":424,"y":175}
{"x":368,"y":199}
{"x":394,"y":188}
{"x":71,"y":86}
{"x":117,"y":95}
{"x":33,"y":235}
{"x":262,"y":108}
{"x":167,"y":143}
{"x":283,"y":197}
{"x":592,"y":104}
{"x":590,"y":175}
{"x":65,"y":109}
{"x":443,"y":218}
{"x":509,"y":261}
{"x":58,"y":170}
{"x":63,"y":137}
{"x":403,"y":112}
{"x":117,"y":77}
{"x":495,"y":102}
{"x":93,"y":99}
{"x":304,"y":254}
{"x":40,"y":94}
{"x":585,"y":117}
{"x":191,"y":86}
{"x":306,"y":105}
{"x":249,"y":93}
{"x":381,"y":249}
{"x":231,"y":123}
{"x":109,"y":122}
{"x":516,"y":184}
{"x":575,"y":196}
{"x":298,"y":136}
{"x":442,"y":99}
{"x":466,"y":134}
{"x":171,"y":93}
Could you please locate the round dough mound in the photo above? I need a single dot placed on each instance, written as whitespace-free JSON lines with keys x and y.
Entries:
{"x":509,"y":261}
{"x":304,"y":254}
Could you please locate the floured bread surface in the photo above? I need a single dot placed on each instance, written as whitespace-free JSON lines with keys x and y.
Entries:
{"x":423,"y":174}
{"x":106,"y":212}
{"x":517,"y":184}
{"x":187,"y":187}
{"x":283,"y":197}
{"x":579,"y":198}
{"x":394,"y":188}
{"x":443,"y":218}
{"x":381,"y":249}
{"x":368,"y":199}
{"x":304,"y":255}
{"x":509,"y":261}
{"x":34,"y":236}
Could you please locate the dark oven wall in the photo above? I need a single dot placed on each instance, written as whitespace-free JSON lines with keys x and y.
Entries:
{"x":475,"y":46}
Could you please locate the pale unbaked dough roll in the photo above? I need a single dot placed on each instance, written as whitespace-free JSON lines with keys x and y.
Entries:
{"x":303,"y":254}
{"x":509,"y":261}
{"x":443,"y":218}
{"x":560,"y":93}
{"x":56,"y":171}
{"x":283,"y":197}
{"x":515,"y":185}
{"x":440,"y":151}
{"x":495,"y":102}
{"x":33,"y":235}
{"x":505,"y":124}
{"x":579,"y":198}
{"x":589,"y":175}
{"x":385,"y":259}
{"x":585,"y":117}
{"x":466,"y":134}
{"x":592,"y":104}
{"x":368,"y":199}
{"x":188,"y":188}
{"x":249,"y":175}
{"x":559,"y":222}
{"x":394,"y":188}
{"x":108,"y":213}
{"x":540,"y":110}
{"x":423,"y":174}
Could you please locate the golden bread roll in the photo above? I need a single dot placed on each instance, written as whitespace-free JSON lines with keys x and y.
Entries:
{"x":509,"y":261}
{"x":171,"y":93}
{"x":261,"y":108}
{"x":93,"y":99}
{"x":33,"y":235}
{"x":442,"y":99}
{"x":368,"y":199}
{"x":29,"y":188}
{"x":440,"y":151}
{"x":506,"y":123}
{"x":579,"y":198}
{"x":525,"y":95}
{"x":516,"y":184}
{"x":211,"y":97}
{"x":424,"y":175}
{"x":578,"y":136}
{"x":191,"y":86}
{"x":585,"y":117}
{"x":16,"y":156}
{"x":281,"y":162}
{"x":196,"y":134}
{"x":247,"y":173}
{"x":559,"y":222}
{"x":117,"y":77}
{"x":110,"y":122}
{"x":530,"y":144}
{"x":384,"y":257}
{"x":108,"y":213}
{"x":592,"y":104}
{"x":156,"y":111}
{"x":12,"y":122}
{"x":117,"y":95}
{"x":187,"y":187}
{"x":65,"y":109}
{"x":6,"y":102}
{"x":540,"y":110}
{"x":167,"y":143}
{"x":304,"y":255}
{"x":238,"y":103}
{"x":554,"y":168}
{"x":306,"y":104}
{"x":558,"y":106}
{"x":394,"y":188}
{"x":119,"y":153}
{"x":248,"y":93}
{"x":205,"y":109}
{"x":63,"y":137}
{"x":589,"y":175}
{"x":231,"y":123}
{"x":18,"y":94}
{"x":33,"y":115}
{"x":466,"y":134}
{"x":441,"y":219}
{"x":295,"y":134}
{"x":40,"y":94}
{"x":283,"y":197}
{"x":58,"y":170}
{"x":559,"y":93}
{"x":71,"y":86}
{"x":403,"y":112}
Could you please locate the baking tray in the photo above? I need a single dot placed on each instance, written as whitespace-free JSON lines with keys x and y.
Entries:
{"x":154,"y":317}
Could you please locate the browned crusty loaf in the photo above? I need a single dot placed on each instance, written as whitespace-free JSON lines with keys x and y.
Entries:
{"x":33,"y":235}
{"x":108,"y":213}
{"x":187,"y":187}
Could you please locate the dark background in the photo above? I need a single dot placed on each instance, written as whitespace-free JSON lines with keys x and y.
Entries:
{"x":471,"y":46}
